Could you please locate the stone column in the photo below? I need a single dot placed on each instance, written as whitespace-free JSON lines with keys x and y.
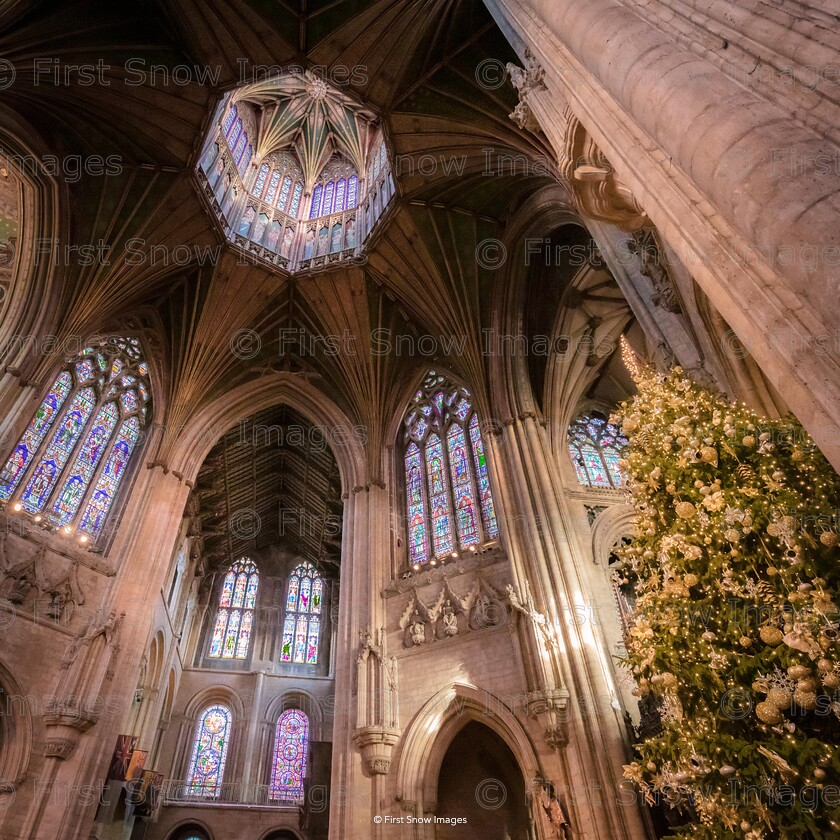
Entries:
{"x":564,"y":658}
{"x":727,"y":177}
{"x":143,"y":549}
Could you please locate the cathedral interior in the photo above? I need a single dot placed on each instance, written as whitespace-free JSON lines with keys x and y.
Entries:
{"x":312,"y":321}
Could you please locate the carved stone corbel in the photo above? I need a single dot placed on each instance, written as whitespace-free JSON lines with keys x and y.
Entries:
{"x":598,"y":191}
{"x":376,"y":743}
{"x":550,"y":706}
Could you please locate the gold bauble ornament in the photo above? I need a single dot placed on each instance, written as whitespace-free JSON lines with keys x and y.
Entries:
{"x":797,"y":455}
{"x":732,"y":534}
{"x":829,"y":538}
{"x":805,"y":699}
{"x":768,"y":713}
{"x":691,"y":579}
{"x":824,"y":664}
{"x":745,"y":641}
{"x":806,"y":684}
{"x":748,"y":440}
{"x":798,"y":672}
{"x":819,"y":773}
{"x":771,"y":635}
{"x":709,"y":455}
{"x":831,"y":681}
{"x":773,"y":529}
{"x":780,"y":698}
{"x":685,"y":510}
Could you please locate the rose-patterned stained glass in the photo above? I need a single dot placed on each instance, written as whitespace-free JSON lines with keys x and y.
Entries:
{"x":34,"y":435}
{"x":449,"y":502}
{"x":595,"y":447}
{"x":235,"y":617}
{"x":488,"y":510}
{"x":58,"y":452}
{"x":75,"y":486}
{"x":209,"y":753}
{"x":301,"y":628}
{"x":288,"y":765}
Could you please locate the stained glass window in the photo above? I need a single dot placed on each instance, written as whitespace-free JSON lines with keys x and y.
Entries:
{"x":315,"y":209}
{"x":595,"y":446}
{"x":352,"y":191}
{"x":68,"y":464}
{"x":295,"y":205}
{"x":272,"y":186}
{"x":259,"y":184}
{"x":207,"y":763}
{"x":229,"y":119}
{"x":302,"y":627}
{"x":288,"y":765}
{"x":449,"y":502}
{"x":235,"y":616}
{"x":234,"y":133}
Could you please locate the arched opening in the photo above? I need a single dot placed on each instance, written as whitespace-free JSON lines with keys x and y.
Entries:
{"x":480,"y":782}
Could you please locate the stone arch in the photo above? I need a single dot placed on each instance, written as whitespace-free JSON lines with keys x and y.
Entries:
{"x":31,"y":305}
{"x":610,"y":525}
{"x":547,"y":210}
{"x":182,"y":829}
{"x":157,"y":651}
{"x":429,"y":734}
{"x":297,"y":698}
{"x":15,"y":732}
{"x":186,"y":452}
{"x":226,"y":696}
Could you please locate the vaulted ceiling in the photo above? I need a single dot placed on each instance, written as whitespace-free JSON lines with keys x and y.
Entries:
{"x":140,"y":82}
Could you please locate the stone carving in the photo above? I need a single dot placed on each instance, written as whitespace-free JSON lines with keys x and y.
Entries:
{"x":526,"y":607}
{"x":450,"y":614}
{"x":87,"y":664}
{"x":598,"y":191}
{"x":25,"y":576}
{"x":654,"y":265}
{"x":64,"y":595}
{"x":526,"y":80}
{"x":449,"y":620}
{"x":377,"y":728}
{"x":417,"y":628}
{"x":549,"y":811}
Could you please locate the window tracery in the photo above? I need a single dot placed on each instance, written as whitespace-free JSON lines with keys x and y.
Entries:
{"x":448,"y":496}
{"x":595,"y":447}
{"x":235,"y":617}
{"x":68,"y":465}
{"x":302,"y":625}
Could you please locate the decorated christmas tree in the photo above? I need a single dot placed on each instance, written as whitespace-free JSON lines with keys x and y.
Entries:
{"x":735,"y":631}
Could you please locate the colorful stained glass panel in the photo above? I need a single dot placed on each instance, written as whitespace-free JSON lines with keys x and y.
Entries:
{"x":34,"y":435}
{"x":207,"y":762}
{"x":288,"y":766}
